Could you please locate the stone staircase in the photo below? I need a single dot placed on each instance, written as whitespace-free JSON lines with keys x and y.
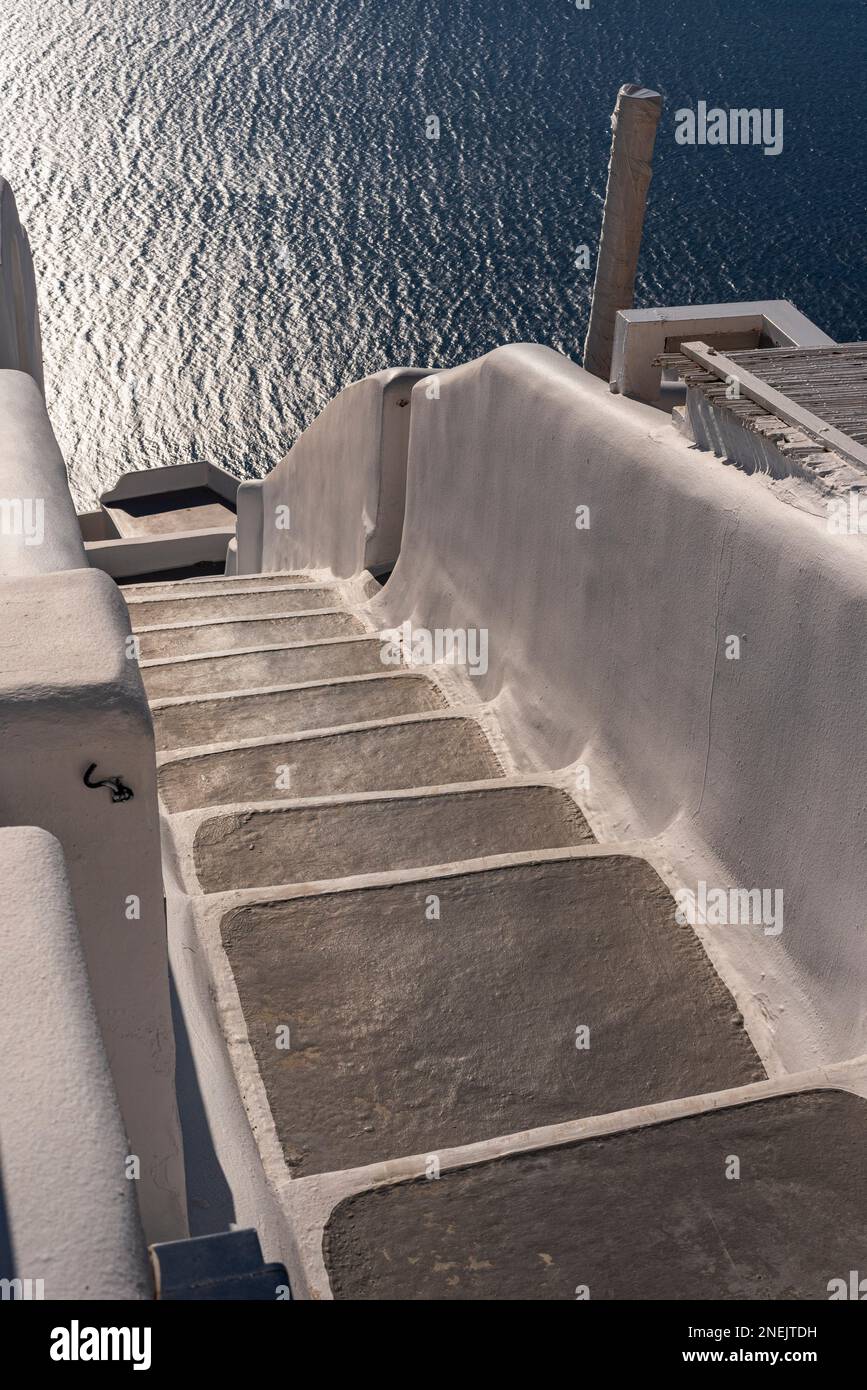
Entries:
{"x":430,"y":950}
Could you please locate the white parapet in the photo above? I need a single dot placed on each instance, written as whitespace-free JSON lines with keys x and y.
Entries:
{"x":666,"y":623}
{"x":70,"y":696}
{"x":336,"y":500}
{"x":69,"y":1208}
{"x":39,"y":531}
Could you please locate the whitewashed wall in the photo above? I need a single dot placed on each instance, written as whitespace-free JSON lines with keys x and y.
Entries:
{"x":69,"y":1208}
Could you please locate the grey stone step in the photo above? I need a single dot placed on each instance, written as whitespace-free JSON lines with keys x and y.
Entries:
{"x":248,"y":671}
{"x":213,"y":584}
{"x":244,"y":849}
{"x":245,"y":632}
{"x":191,"y":723}
{"x":162,"y":612}
{"x":186,"y":509}
{"x":414,"y":753}
{"x":643,"y":1215}
{"x":411,"y":1033}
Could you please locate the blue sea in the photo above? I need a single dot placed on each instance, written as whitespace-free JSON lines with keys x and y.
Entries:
{"x":235,"y":208}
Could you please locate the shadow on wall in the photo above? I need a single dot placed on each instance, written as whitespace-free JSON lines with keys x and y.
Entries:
{"x":210,"y":1207}
{"x":7,"y":1254}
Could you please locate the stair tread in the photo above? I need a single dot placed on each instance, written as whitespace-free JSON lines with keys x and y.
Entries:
{"x":657,"y":1193}
{"x":293,"y":710}
{"x":243,"y":848}
{"x":164,"y":612}
{"x":428,"y":751}
{"x":209,"y":584}
{"x":197,"y":638}
{"x":266,"y":666}
{"x":410,"y":1034}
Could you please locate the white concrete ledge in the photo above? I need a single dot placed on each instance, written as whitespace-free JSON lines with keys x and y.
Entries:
{"x":640,"y":336}
{"x":70,"y":1209}
{"x":129,"y":556}
{"x":175,"y":477}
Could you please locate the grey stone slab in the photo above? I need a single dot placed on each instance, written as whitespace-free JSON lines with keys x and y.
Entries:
{"x":283,"y":666}
{"x":302,"y":844}
{"x":293,"y":711}
{"x":171,"y":589}
{"x":159,"y":612}
{"x":222,"y":637}
{"x":645,"y":1215}
{"x":185,"y":509}
{"x":417,"y":754}
{"x":410,"y":1034}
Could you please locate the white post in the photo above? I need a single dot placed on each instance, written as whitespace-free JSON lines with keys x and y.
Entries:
{"x":633,"y":126}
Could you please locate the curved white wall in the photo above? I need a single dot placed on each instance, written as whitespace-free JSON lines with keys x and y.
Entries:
{"x":608,"y":644}
{"x":39,"y":531}
{"x":343,"y":483}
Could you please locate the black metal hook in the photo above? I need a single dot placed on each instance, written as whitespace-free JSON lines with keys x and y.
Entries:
{"x":119,"y":790}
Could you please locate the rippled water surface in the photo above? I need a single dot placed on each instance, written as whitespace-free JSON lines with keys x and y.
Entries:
{"x":235,"y":211}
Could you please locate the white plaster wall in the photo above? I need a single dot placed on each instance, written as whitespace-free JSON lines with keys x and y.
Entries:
{"x":71,"y":694}
{"x":343,"y":482}
{"x":70,"y":1211}
{"x":608,"y":645}
{"x":32,"y":472}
